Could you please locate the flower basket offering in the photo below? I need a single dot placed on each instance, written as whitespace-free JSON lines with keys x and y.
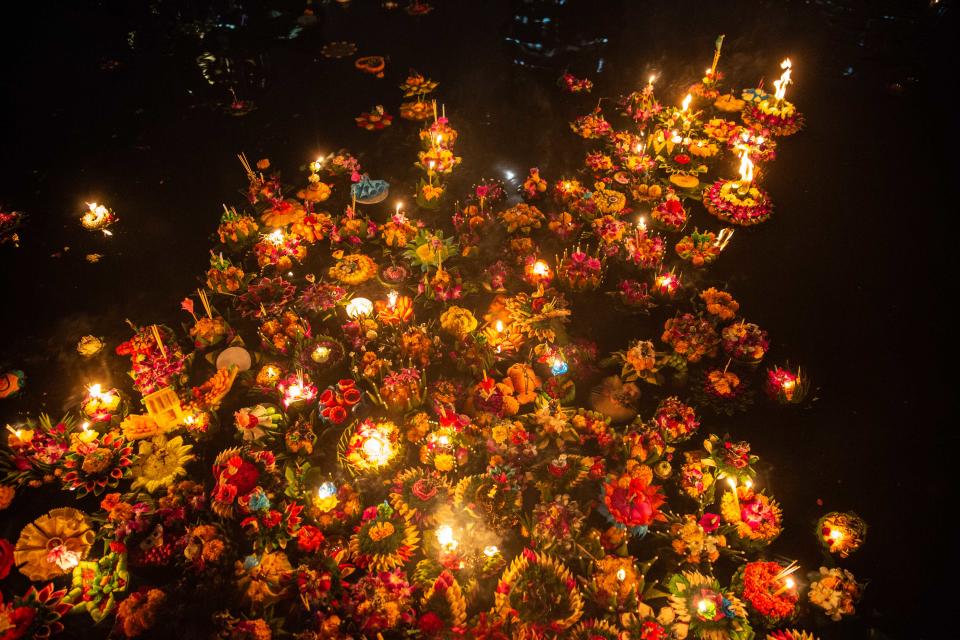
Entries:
{"x":478,"y":413}
{"x":771,"y":112}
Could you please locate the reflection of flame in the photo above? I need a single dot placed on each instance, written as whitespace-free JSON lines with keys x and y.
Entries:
{"x":781,"y":84}
{"x":746,"y":166}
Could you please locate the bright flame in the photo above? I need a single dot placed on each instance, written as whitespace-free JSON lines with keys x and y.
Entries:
{"x":499,"y":326}
{"x":650,"y":80}
{"x":746,"y":167}
{"x":790,"y":583}
{"x":642,"y":224}
{"x":320,"y":354}
{"x":377,"y":450}
{"x":836,"y":534}
{"x":445,"y":538}
{"x":686,"y":102}
{"x":491,"y":550}
{"x":326,"y":490}
{"x":95,"y":391}
{"x":359,"y":307}
{"x":392,"y":299}
{"x":443,"y":440}
{"x":621,"y":574}
{"x":702,"y":606}
{"x":276,"y":238}
{"x":780,"y":85}
{"x":540,"y":268}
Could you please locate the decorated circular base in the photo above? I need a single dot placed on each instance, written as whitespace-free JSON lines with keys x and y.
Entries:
{"x":726,"y":200}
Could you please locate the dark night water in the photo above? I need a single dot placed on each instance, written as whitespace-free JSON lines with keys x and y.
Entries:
{"x":845,"y":277}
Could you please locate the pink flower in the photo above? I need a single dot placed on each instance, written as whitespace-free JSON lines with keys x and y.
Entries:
{"x":710,"y":522}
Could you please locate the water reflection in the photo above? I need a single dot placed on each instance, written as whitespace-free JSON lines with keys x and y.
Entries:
{"x":542,"y":34}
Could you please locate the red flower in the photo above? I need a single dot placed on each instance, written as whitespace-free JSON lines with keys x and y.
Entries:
{"x":681,"y":158}
{"x":224,"y":493}
{"x":309,"y":538}
{"x":635,"y":505}
{"x":430,"y":623}
{"x":710,"y":522}
{"x":20,"y":620}
{"x":244,"y":477}
{"x":272,"y":518}
{"x":6,"y":558}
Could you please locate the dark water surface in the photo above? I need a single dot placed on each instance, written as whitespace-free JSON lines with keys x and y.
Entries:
{"x":107,"y":101}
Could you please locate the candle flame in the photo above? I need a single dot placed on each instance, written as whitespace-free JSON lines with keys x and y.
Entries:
{"x":540,"y":268}
{"x":686,"y":102}
{"x":746,"y":166}
{"x":499,"y":326}
{"x":445,"y":537}
{"x":780,"y":85}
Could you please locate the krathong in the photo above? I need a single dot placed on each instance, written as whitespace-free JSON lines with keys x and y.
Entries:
{"x":419,"y":431}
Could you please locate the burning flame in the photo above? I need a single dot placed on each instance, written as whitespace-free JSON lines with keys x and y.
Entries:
{"x":781,"y":84}
{"x":686,"y":102}
{"x":746,"y":167}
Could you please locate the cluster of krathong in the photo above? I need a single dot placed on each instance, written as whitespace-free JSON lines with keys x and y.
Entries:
{"x":389,"y":422}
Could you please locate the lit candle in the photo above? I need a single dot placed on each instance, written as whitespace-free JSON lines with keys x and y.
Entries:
{"x":86,"y":434}
{"x":377,"y":450}
{"x":736,"y":498}
{"x":97,"y":217}
{"x":788,"y":584}
{"x":686,"y":103}
{"x":445,"y":537}
{"x":667,"y":283}
{"x":540,"y":268}
{"x":321,"y":354}
{"x":746,"y":171}
{"x":326,"y":490}
{"x":780,"y":86}
{"x":650,"y":82}
{"x":621,"y":574}
{"x":19,"y":437}
{"x":558,"y":366}
{"x":359,"y":307}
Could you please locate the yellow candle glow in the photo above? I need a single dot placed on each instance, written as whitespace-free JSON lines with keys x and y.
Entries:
{"x":445,"y":537}
{"x":686,"y":103}
{"x":733,"y":487}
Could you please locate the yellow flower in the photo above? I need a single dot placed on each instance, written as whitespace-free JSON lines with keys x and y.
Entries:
{"x":458,"y":321}
{"x":160,"y":462}
{"x":53,"y":544}
{"x":381,"y":530}
{"x":7,"y":494}
{"x":138,"y":426}
{"x":89,"y":346}
{"x":500,"y":432}
{"x":443,"y":462}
